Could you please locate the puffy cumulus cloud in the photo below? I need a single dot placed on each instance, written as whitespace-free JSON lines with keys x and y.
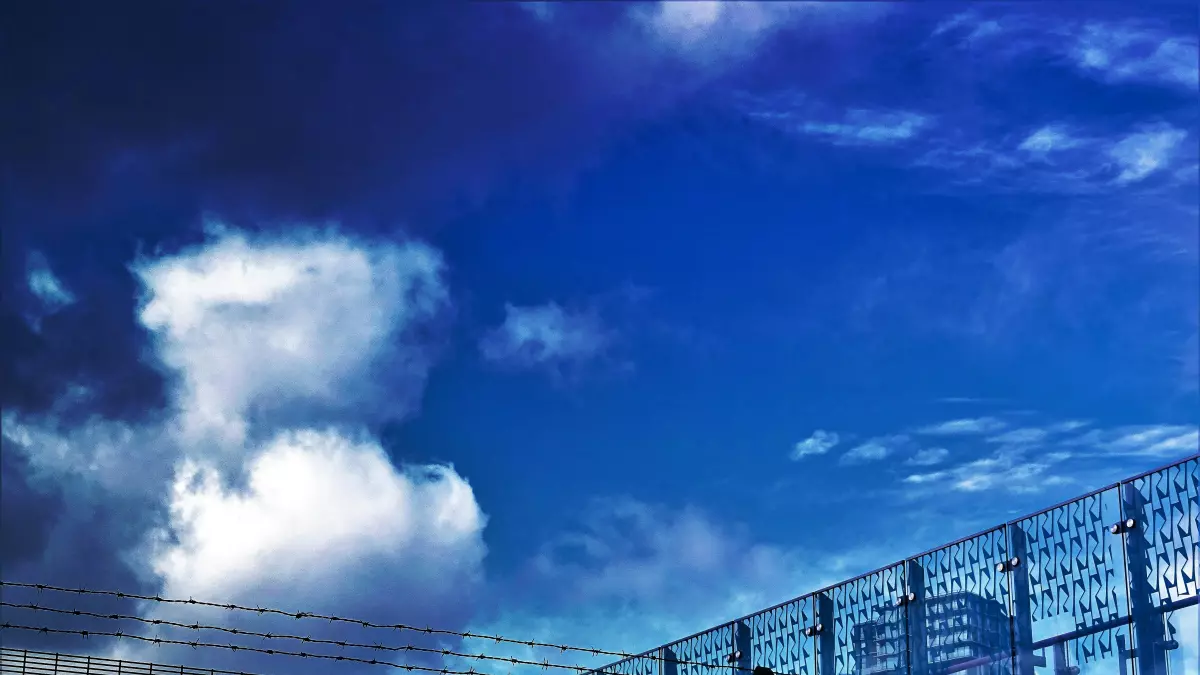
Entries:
{"x":260,"y":482}
{"x":315,"y":507}
{"x":297,"y":323}
{"x":545,"y":336}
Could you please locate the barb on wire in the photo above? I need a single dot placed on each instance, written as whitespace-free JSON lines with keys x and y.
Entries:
{"x":30,"y":661}
{"x":299,"y":638}
{"x":652,"y":655}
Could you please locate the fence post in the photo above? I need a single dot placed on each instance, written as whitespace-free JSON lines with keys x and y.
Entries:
{"x":1022,"y":607}
{"x":825,"y":632}
{"x":741,"y":648}
{"x":1149,"y":629}
{"x":670,"y":662}
{"x":918,"y":641}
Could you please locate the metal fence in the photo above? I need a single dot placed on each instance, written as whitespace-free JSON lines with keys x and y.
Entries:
{"x":1100,"y":584}
{"x":29,"y":662}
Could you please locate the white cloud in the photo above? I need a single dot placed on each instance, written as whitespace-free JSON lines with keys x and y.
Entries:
{"x":870,"y":127}
{"x":964,"y":427}
{"x":794,"y":112}
{"x":1131,"y":53}
{"x":45,"y":285}
{"x":1066,"y":426}
{"x":929,"y":456}
{"x":545,"y":335}
{"x":873,"y":450}
{"x":1030,"y":460}
{"x":1048,"y":139}
{"x":1115,"y":53}
{"x":1143,"y":153}
{"x":1165,"y":441}
{"x":633,"y":576}
{"x":819,"y":443}
{"x":1007,"y":472}
{"x":316,"y":506}
{"x":263,"y":501}
{"x":712,"y":32}
{"x":1022,"y":436}
{"x":275,"y":324}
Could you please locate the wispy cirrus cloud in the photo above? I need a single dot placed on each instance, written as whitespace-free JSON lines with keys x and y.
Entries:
{"x":1115,"y":52}
{"x":1058,"y":158}
{"x":1145,"y":152}
{"x":796,"y":113}
{"x":1049,"y":139}
{"x":1022,"y":436}
{"x":1151,"y":441}
{"x":1135,"y":53}
{"x":869,"y":127}
{"x":1028,"y":460}
{"x":964,"y":426}
{"x":928,"y":457}
{"x":545,"y":336}
{"x":819,"y":443}
{"x":875,"y":449}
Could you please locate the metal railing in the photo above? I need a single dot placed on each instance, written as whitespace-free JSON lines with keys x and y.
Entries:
{"x":1099,"y":578}
{"x":29,"y":662}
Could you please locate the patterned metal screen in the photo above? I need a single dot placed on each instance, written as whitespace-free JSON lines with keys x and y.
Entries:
{"x":1106,"y":583}
{"x":780,"y":638}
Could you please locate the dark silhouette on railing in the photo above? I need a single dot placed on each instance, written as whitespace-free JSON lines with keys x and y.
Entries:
{"x":1100,"y":579}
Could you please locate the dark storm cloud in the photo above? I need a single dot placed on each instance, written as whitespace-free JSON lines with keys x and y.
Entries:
{"x":124,"y":125}
{"x":289,"y":109}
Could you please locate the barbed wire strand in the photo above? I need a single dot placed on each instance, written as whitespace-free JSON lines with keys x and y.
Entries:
{"x":368,"y":624}
{"x":301,"y":638}
{"x":195,"y":644}
{"x":11,"y":657}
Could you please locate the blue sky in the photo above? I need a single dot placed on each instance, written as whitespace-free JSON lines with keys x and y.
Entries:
{"x":596,"y":323}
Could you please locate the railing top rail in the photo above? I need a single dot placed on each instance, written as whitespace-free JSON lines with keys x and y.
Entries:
{"x":1003,"y":528}
{"x":1164,"y":467}
{"x":1065,"y":502}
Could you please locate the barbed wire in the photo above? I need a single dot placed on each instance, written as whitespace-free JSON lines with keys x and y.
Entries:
{"x":31,"y":661}
{"x":369,"y":624}
{"x":300,"y":638}
{"x":237,"y":648}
